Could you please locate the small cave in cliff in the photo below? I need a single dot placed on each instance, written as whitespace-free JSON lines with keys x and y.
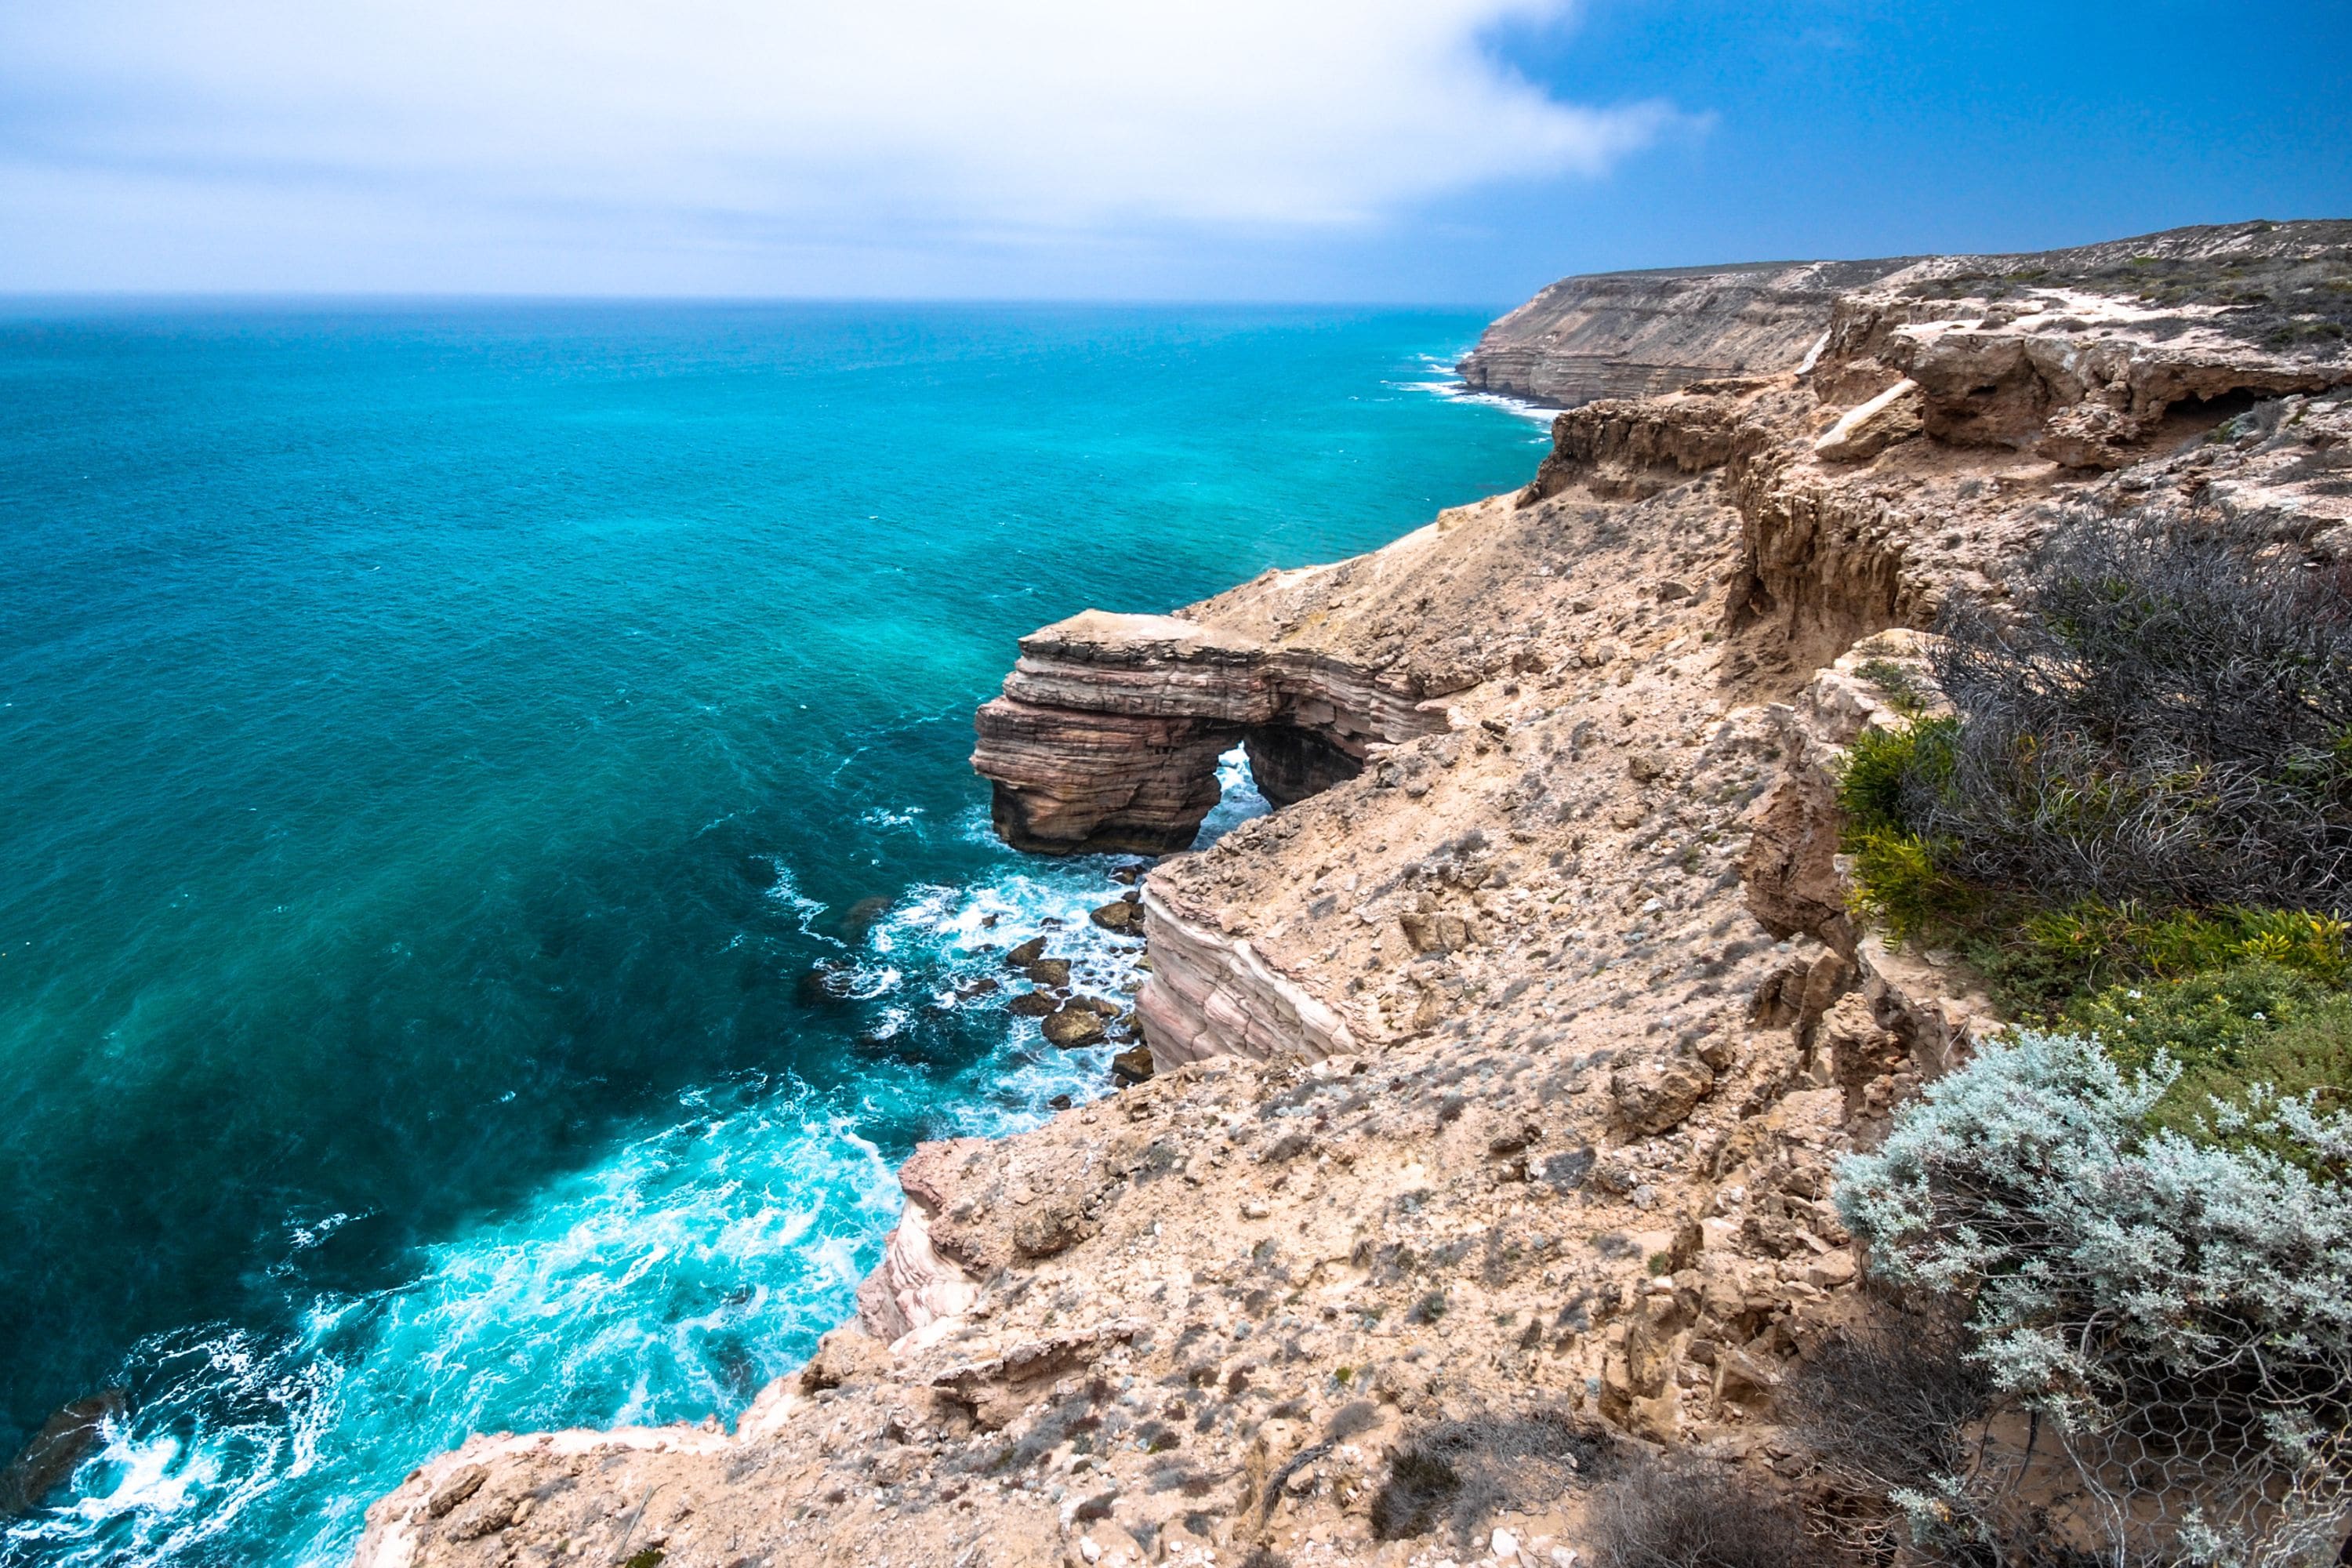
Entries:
{"x":2194,"y":416}
{"x":1289,"y":764}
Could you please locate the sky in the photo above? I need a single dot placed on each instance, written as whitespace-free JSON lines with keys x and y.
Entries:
{"x":1455,"y":152}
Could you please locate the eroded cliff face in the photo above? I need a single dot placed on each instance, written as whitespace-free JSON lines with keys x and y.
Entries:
{"x":1502,"y":1070}
{"x":1636,"y":335}
{"x":1108,"y":731}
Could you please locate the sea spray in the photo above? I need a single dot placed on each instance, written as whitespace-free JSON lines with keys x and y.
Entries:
{"x":669,"y":1281}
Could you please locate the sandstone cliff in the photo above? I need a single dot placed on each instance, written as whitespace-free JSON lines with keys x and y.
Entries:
{"x":1636,"y":335}
{"x":1498,"y":1074}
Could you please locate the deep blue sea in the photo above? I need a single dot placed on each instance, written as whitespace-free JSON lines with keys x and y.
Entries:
{"x":437,"y":743}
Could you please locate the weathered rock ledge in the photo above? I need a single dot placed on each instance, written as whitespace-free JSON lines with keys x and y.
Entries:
{"x":1640,"y":335}
{"x":1212,"y":995}
{"x":1108,"y":734}
{"x":1637,"y":334}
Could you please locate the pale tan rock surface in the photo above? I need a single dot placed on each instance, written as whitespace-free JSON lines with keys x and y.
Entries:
{"x":1504,"y":1073}
{"x":1636,"y":335}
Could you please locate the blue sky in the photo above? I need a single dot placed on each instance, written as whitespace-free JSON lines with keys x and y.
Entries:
{"x":1453,"y":150}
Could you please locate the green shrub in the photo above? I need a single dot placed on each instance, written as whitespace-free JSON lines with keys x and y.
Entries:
{"x":2308,"y":1057}
{"x":2176,"y":1312}
{"x":1898,"y":884}
{"x":1903,"y":693}
{"x":2234,"y":1040}
{"x":2169,"y":719}
{"x":2205,"y":1017}
{"x":2130,"y":939}
{"x":1897,"y":878}
{"x":2039,"y":953}
{"x":2090,"y":945}
{"x":2149,"y":773}
{"x":1883,"y":767}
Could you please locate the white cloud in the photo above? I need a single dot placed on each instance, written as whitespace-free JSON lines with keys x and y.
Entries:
{"x":873,"y":126}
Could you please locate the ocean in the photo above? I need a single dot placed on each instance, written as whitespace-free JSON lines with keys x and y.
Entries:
{"x":490,"y":883}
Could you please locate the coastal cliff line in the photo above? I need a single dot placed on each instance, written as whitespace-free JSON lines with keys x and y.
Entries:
{"x":1495,"y":1080}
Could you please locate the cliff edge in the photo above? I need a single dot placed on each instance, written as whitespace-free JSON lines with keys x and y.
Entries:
{"x":1496,"y":1077}
{"x":1638,"y":335}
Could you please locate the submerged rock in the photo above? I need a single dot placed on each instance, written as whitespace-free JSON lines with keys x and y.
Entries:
{"x":58,"y":1449}
{"x":861,"y":917}
{"x":825,"y":984}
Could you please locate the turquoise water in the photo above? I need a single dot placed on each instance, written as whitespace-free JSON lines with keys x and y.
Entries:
{"x":439,"y":743}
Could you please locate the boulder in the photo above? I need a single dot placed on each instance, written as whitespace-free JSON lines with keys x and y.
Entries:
{"x":825,"y":984}
{"x":1074,"y":1028}
{"x":1894,"y":414}
{"x":1049,"y":1227}
{"x":848,"y":1354}
{"x":861,"y":917}
{"x":1790,"y":868}
{"x":1124,"y":916}
{"x":1654,"y":1097}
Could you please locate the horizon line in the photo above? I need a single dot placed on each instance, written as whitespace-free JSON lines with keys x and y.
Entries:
{"x":503,"y":297}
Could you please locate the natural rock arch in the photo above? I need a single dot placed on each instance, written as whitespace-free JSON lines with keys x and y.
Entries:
{"x":1108,"y":731}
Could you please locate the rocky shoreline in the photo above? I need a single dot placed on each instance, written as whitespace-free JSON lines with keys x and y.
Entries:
{"x":1498,"y":1076}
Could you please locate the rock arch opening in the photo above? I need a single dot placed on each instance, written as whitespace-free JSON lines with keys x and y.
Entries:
{"x":1108,"y":732}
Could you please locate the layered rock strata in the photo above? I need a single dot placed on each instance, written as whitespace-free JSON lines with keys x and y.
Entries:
{"x":1636,"y":335}
{"x":1108,"y":734}
{"x":1506,"y":1073}
{"x":1211,"y":995}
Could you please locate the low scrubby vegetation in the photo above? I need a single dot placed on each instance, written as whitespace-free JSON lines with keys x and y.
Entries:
{"x":2147,"y":770}
{"x":2228,"y":1043}
{"x":2137,"y":819}
{"x":1660,"y":1515}
{"x":1886,"y":1407}
{"x":1457,"y":1474}
{"x":2171,"y":1314}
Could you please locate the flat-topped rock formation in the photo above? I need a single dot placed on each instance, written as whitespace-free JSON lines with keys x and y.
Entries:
{"x":1636,"y":335}
{"x":1108,"y":733}
{"x":1501,"y":1073}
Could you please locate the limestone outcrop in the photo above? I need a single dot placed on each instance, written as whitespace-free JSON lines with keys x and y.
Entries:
{"x":1108,"y":731}
{"x":1504,"y":1068}
{"x":2137,"y":324}
{"x":1213,"y":994}
{"x":2079,"y":355}
{"x":1637,"y":334}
